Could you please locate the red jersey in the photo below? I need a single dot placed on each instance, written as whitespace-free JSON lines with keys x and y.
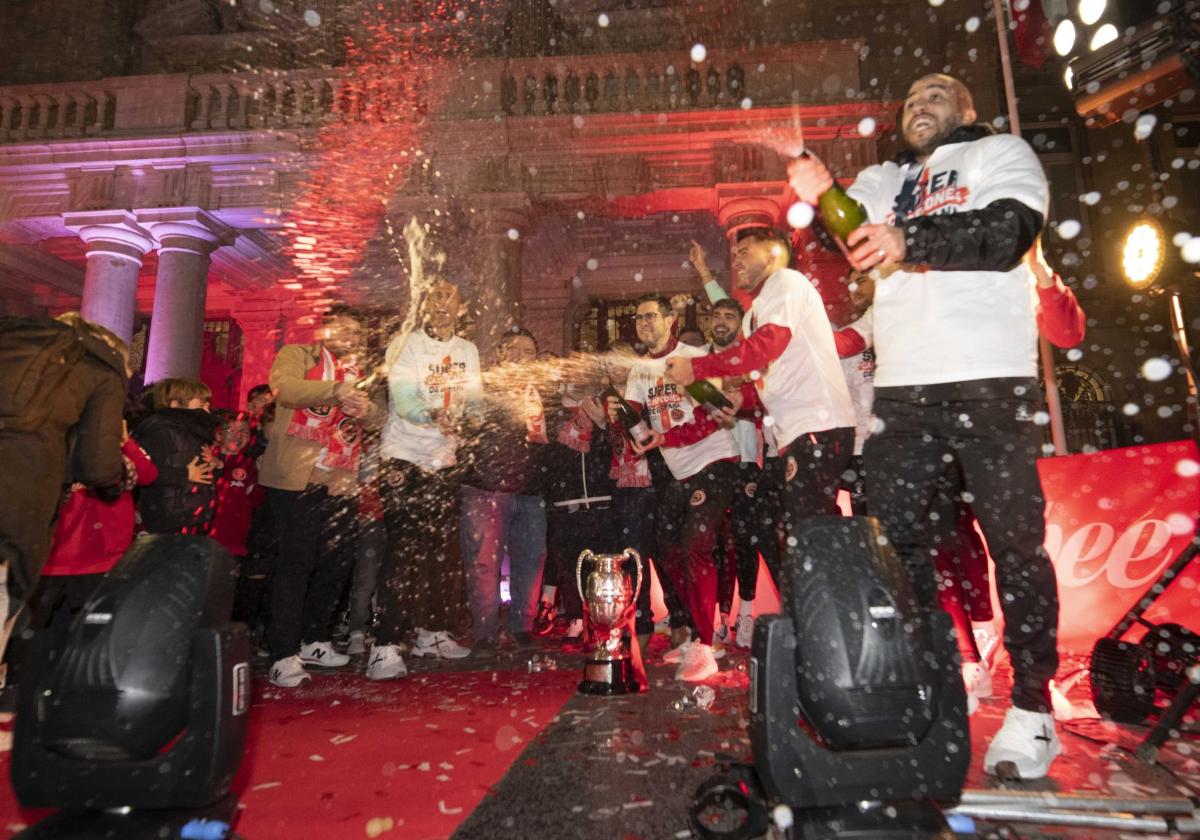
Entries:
{"x":238,"y":495}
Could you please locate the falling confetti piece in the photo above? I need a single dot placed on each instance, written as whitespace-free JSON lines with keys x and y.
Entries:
{"x":446,"y":810}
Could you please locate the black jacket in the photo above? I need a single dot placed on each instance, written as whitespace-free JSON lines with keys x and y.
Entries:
{"x":61,"y":391}
{"x":173,"y":437}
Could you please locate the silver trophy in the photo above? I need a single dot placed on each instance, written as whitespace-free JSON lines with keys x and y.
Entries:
{"x":610,"y":600}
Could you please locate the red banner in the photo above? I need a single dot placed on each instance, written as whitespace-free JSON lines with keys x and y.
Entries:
{"x":1114,"y":521}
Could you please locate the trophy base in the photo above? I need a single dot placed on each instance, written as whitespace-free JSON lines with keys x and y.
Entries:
{"x":609,"y":677}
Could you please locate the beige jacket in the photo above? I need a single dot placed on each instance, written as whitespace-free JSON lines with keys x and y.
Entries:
{"x":290,"y":462}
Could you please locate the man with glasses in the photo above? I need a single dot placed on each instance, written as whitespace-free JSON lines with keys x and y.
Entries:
{"x":702,"y":456}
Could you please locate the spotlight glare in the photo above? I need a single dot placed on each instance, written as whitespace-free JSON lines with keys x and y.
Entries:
{"x":1091,"y":10}
{"x":1064,"y":37}
{"x":1142,"y":253}
{"x":1069,"y":77}
{"x":1106,"y":34}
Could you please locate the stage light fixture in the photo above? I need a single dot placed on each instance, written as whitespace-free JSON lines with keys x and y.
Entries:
{"x":1069,"y":78}
{"x":858,"y":718}
{"x":1143,"y":253}
{"x":1140,"y":55}
{"x":133,"y":721}
{"x":1064,"y":37}
{"x":1106,"y":34}
{"x":1090,"y":11}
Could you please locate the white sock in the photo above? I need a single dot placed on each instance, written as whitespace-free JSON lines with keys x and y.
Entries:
{"x":548,"y":593}
{"x":745,"y":608}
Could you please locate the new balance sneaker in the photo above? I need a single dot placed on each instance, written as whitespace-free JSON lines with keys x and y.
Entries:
{"x":289,"y":672}
{"x":1025,"y":746}
{"x":744,"y":634}
{"x":977,"y":679}
{"x":357,"y":643}
{"x":543,"y":622}
{"x":439,"y":644}
{"x":698,"y":663}
{"x":386,"y":663}
{"x":323,"y":655}
{"x":676,"y":653}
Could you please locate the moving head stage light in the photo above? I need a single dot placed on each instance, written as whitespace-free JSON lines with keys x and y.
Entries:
{"x":858,"y":712}
{"x":143,"y":706}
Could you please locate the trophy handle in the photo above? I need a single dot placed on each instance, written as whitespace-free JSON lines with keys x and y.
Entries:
{"x":585,"y":555}
{"x":629,"y":552}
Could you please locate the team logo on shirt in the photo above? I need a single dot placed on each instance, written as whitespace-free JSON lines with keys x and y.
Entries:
{"x":750,"y":489}
{"x":792,"y":468}
{"x":698,"y":498}
{"x":239,"y":474}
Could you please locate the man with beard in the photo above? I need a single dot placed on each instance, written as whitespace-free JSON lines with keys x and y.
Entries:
{"x":956,"y":379}
{"x":310,"y":470}
{"x":789,"y":343}
{"x":700,"y":455}
{"x":754,"y":506}
{"x":433,"y":381}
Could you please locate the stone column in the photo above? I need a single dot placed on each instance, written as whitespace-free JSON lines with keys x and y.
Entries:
{"x":187,"y":237}
{"x":116,"y":244}
{"x":495,"y":298}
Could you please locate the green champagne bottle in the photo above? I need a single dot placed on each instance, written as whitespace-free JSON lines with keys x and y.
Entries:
{"x":840,"y":213}
{"x":704,"y":392}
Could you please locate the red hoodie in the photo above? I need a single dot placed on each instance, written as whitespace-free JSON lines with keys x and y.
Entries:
{"x":91,"y":534}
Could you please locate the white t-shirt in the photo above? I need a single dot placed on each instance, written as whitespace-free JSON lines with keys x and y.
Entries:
{"x":860,"y":376}
{"x":955,"y":326}
{"x":803,"y":390}
{"x":667,"y":406}
{"x":428,"y":375}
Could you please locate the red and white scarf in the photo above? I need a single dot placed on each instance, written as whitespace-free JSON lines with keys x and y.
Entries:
{"x":340,"y":436}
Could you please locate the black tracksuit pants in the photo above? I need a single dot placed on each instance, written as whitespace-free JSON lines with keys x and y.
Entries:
{"x":986,"y":429}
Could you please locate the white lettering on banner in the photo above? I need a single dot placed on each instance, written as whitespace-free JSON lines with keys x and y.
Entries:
{"x":1145,"y":541}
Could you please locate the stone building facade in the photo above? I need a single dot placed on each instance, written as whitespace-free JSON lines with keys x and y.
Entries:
{"x":153,"y":154}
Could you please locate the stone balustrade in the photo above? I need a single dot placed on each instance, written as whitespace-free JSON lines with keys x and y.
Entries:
{"x":804,"y":74}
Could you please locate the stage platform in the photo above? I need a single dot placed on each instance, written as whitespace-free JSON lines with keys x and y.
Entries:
{"x":492,"y":750}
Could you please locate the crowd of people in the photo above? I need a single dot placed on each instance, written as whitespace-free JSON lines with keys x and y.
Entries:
{"x":394,"y":496}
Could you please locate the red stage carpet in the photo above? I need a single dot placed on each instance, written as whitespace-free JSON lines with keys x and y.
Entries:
{"x":348,"y":758}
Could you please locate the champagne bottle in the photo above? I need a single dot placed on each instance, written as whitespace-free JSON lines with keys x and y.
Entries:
{"x":704,"y":392}
{"x":370,"y":382}
{"x":632,"y":422}
{"x":840,"y":213}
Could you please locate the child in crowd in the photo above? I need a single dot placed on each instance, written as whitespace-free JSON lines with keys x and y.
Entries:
{"x":238,"y":496}
{"x":178,"y":437}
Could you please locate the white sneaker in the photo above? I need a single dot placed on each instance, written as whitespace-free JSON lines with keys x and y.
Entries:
{"x":386,"y":663}
{"x":1025,"y":746}
{"x":698,"y":664}
{"x":440,"y":644}
{"x":745,"y":631}
{"x":289,"y":672}
{"x":323,"y":655}
{"x":575,"y":629}
{"x":977,"y":680}
{"x":357,"y":643}
{"x":718,"y":649}
{"x":675,"y":654}
{"x":663,"y":626}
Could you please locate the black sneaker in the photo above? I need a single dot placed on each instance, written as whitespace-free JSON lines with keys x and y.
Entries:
{"x":543,"y":622}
